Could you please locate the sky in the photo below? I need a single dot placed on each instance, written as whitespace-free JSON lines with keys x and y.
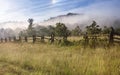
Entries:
{"x":39,"y":10}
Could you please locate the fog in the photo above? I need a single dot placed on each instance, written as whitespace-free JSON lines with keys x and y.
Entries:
{"x":71,"y":20}
{"x":83,"y":20}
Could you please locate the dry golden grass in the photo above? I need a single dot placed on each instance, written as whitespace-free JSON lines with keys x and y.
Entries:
{"x":45,"y":59}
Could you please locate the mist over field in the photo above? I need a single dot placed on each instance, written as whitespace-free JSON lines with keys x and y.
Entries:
{"x":71,"y":20}
{"x":83,"y":20}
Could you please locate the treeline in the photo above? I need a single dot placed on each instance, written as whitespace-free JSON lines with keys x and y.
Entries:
{"x":4,"y":33}
{"x":61,"y":30}
{"x":58,"y":30}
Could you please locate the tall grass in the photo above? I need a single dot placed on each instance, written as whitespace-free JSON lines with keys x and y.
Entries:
{"x":45,"y":59}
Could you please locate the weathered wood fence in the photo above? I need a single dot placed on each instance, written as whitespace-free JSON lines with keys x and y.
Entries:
{"x":33,"y":39}
{"x":114,"y":37}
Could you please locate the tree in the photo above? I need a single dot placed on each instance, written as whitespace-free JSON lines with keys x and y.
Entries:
{"x":30,"y":23}
{"x":30,"y":29}
{"x":4,"y":33}
{"x":23,"y":33}
{"x":106,"y":30}
{"x":44,"y":31}
{"x":93,"y":28}
{"x":117,"y":30}
{"x":77,"y":31}
{"x":41,"y":30}
{"x":62,"y":31}
{"x":51,"y":29}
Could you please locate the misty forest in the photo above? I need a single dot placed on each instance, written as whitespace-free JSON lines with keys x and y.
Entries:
{"x":77,"y":39}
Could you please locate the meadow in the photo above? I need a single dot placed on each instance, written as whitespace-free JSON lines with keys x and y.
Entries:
{"x":47,"y":59}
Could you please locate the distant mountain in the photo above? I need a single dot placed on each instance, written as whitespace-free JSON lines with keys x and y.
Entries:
{"x":70,"y":19}
{"x":60,"y":16}
{"x":73,"y":19}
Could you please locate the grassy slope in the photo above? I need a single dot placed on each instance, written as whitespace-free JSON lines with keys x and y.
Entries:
{"x":43,"y":59}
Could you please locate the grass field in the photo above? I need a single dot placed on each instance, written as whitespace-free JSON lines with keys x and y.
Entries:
{"x":46,"y":59}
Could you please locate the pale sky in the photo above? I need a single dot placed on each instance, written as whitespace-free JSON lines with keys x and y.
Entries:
{"x":21,"y":10}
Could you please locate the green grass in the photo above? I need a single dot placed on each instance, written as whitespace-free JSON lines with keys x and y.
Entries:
{"x":45,"y":59}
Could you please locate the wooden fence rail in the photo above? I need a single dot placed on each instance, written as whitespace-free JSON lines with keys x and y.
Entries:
{"x":26,"y":39}
{"x":114,"y":37}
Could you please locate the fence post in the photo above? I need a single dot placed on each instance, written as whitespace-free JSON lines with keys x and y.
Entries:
{"x":14,"y":38}
{"x":86,"y":40}
{"x":26,"y":39}
{"x":5,"y":39}
{"x":34,"y":38}
{"x":111,"y":36}
{"x":9,"y":39}
{"x":59,"y":41}
{"x":1,"y":39}
{"x":20,"y":39}
{"x":94,"y":41}
{"x":52,"y":38}
{"x":42,"y":38}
